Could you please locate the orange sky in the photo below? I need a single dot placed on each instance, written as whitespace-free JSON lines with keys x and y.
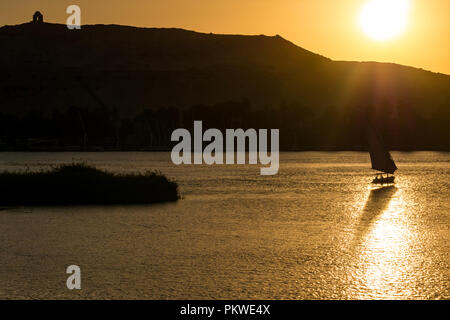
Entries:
{"x":327,"y":27}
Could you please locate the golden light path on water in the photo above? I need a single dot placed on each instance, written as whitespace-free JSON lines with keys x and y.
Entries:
{"x":385,"y":242}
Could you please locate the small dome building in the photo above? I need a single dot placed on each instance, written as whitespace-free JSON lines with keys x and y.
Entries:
{"x":38,"y":17}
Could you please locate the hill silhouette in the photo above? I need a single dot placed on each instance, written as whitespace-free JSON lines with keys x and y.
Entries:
{"x":128,"y":87}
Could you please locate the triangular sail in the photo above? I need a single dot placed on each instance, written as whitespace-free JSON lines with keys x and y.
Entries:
{"x":379,"y":155}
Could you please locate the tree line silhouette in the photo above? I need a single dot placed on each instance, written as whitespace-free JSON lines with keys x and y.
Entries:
{"x":302,"y":127}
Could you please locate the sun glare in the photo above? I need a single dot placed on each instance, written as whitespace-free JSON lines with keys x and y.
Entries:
{"x":384,"y":19}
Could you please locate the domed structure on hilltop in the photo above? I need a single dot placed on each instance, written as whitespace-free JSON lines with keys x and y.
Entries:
{"x":38,"y":17}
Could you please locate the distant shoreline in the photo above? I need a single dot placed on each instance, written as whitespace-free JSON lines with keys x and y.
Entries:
{"x":169,"y":149}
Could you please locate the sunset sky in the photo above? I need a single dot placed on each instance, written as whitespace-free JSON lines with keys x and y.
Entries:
{"x":418,"y":36}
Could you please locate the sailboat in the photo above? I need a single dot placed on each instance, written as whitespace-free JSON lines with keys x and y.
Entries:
{"x":381,"y":159}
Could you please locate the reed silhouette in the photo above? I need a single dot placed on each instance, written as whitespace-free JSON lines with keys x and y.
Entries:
{"x":80,"y":184}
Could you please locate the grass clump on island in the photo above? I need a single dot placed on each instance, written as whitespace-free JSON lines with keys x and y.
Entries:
{"x":81,"y":184}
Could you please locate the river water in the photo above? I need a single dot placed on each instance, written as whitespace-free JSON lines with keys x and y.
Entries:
{"x":317,"y":230}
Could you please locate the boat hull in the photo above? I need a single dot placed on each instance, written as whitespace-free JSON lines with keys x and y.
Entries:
{"x":383,"y":180}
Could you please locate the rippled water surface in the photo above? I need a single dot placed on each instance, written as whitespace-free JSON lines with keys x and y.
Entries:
{"x":315,"y":230}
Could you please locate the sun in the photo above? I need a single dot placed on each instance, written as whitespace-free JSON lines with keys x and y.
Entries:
{"x":384,"y":20}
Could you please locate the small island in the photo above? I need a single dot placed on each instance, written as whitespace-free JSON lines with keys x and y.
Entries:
{"x":82,"y":184}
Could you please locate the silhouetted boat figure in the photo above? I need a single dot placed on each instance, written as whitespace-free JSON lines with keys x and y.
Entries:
{"x":381,"y":158}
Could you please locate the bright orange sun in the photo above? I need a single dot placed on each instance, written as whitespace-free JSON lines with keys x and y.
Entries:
{"x":384,"y":19}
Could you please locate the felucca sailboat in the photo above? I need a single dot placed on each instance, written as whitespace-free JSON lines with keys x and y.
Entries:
{"x":381,"y":159}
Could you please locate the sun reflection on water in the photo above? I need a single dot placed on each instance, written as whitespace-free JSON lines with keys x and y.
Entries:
{"x":384,"y":243}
